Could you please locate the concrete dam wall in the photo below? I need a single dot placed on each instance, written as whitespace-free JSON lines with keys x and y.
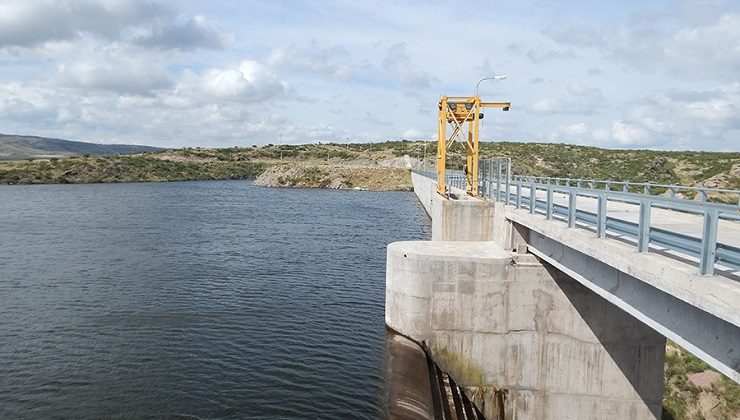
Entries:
{"x":522,"y":338}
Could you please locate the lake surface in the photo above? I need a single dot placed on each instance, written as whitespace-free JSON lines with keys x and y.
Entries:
{"x":195,"y":299}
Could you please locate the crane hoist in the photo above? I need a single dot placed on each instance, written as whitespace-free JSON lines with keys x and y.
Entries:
{"x":457,"y":111}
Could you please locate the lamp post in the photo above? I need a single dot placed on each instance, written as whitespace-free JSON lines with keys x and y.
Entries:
{"x":496,"y":77}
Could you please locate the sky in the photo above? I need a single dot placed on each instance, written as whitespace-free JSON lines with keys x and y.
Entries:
{"x":620,"y":74}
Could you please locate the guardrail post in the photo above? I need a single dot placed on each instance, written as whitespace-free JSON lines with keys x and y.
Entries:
{"x":498,"y":180}
{"x":643,"y":226}
{"x":673,"y":192}
{"x":708,"y":243}
{"x":518,"y":193}
{"x":571,"y":209}
{"x":548,"y":212}
{"x":625,"y":187}
{"x":508,"y":181}
{"x":703,"y":192}
{"x":489,"y":178}
{"x":601,"y":217}
{"x":646,"y":189}
{"x":532,"y":197}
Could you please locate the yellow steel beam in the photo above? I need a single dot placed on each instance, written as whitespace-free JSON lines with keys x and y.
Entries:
{"x":495,"y":104}
{"x":457,"y":111}
{"x":473,"y":178}
{"x":442,"y":146}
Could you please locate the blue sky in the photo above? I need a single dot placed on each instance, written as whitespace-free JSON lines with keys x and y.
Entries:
{"x":661,"y":75}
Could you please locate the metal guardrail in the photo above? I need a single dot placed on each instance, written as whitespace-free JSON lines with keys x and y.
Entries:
{"x":646,"y":188}
{"x":497,"y":183}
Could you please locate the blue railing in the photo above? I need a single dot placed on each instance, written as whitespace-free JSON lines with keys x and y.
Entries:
{"x":497,"y":184}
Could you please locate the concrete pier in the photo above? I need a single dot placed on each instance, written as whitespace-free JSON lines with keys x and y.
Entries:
{"x":505,"y":324}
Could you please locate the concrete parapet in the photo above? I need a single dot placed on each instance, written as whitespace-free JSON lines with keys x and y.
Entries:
{"x":503,"y":323}
{"x":425,"y":189}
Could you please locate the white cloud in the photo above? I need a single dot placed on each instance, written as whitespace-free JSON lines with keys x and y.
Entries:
{"x":250,"y":82}
{"x":219,"y":73}
{"x":627,"y":134}
{"x":398,"y":63}
{"x":333,"y":62}
{"x":707,"y":50}
{"x":573,"y":133}
{"x":547,"y":106}
{"x":666,"y":43}
{"x":566,"y":31}
{"x":197,"y":32}
{"x":116,"y":68}
{"x":577,"y":129}
{"x":689,"y":117}
{"x":412,"y":134}
{"x":26,"y":23}
{"x":542,"y":54}
{"x":616,"y":133}
{"x":581,"y":100}
{"x":27,"y":104}
{"x":374,"y":119}
{"x":674,"y":119}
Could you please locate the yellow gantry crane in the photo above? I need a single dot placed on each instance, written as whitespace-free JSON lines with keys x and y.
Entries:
{"x":457,"y":111}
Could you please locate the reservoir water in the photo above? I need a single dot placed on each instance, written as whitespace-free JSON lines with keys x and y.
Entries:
{"x":195,"y":299}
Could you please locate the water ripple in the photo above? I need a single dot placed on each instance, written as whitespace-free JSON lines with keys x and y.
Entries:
{"x":195,"y":300}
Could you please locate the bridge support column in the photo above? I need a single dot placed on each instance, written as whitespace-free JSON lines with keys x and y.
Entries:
{"x":467,"y":219}
{"x":506,"y":325}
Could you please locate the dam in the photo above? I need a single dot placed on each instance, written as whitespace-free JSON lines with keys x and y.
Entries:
{"x":551,"y":298}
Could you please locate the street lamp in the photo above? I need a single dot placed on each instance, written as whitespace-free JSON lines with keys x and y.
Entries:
{"x":496,"y":77}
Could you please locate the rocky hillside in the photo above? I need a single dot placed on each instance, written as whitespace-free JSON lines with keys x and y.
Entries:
{"x":694,"y":391}
{"x":312,"y":166}
{"x":32,"y":147}
{"x":335,"y":177}
{"x":365,"y":165}
{"x":156,"y":167}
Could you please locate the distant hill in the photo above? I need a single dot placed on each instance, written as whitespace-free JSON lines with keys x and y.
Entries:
{"x":28,"y":147}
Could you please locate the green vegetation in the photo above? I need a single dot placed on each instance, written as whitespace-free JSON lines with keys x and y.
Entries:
{"x":569,"y":161}
{"x":130,"y":168}
{"x":712,"y":169}
{"x":718,"y":398}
